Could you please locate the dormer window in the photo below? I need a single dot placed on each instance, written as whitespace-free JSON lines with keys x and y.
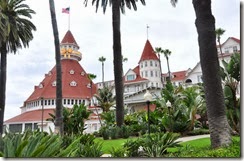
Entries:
{"x":89,"y":85}
{"x":82,"y":73}
{"x":130,"y":77}
{"x":73,"y":83}
{"x":49,"y":73}
{"x":71,"y":72}
{"x":54,"y":83}
{"x":40,"y":85}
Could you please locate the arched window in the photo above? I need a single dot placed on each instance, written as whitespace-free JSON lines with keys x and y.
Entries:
{"x":73,"y":83}
{"x":72,"y":72}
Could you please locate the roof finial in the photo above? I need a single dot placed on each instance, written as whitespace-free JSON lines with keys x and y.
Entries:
{"x":147,"y":31}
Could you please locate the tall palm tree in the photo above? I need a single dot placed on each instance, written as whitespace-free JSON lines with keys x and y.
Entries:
{"x":17,"y":29}
{"x":167,"y":53}
{"x":102,"y":59}
{"x":159,"y":50}
{"x":117,"y":5}
{"x":219,"y":32}
{"x":59,"y":126}
{"x":205,"y":23}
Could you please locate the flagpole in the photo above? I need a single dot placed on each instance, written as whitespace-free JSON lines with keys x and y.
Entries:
{"x":69,"y":20}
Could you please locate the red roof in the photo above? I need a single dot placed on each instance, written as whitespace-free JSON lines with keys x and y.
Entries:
{"x":180,"y":75}
{"x":148,"y":52}
{"x":79,"y":76}
{"x":31,"y":116}
{"x":138,"y":77}
{"x":69,"y":39}
{"x":233,"y":38}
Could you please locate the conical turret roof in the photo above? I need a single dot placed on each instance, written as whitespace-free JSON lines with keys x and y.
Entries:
{"x":148,"y":53}
{"x":69,"y":39}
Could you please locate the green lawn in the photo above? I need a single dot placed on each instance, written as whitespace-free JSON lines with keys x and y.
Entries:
{"x":117,"y":143}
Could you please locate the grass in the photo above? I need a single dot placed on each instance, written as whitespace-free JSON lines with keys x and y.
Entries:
{"x":203,"y":143}
{"x":108,"y":144}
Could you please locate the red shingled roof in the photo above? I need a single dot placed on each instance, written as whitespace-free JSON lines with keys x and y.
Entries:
{"x":31,"y":116}
{"x":138,"y":77}
{"x":69,"y":39}
{"x":148,"y":52}
{"x":80,"y":91}
{"x":180,"y":75}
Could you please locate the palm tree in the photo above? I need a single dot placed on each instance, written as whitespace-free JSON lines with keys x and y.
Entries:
{"x":159,"y":50}
{"x":102,"y":59}
{"x":105,"y":98}
{"x":17,"y":29}
{"x":167,"y":53}
{"x":59,"y":126}
{"x":205,"y":23}
{"x":219,"y":32}
{"x":117,"y":5}
{"x":218,"y":125}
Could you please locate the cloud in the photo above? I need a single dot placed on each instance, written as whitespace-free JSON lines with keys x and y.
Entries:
{"x":170,"y":27}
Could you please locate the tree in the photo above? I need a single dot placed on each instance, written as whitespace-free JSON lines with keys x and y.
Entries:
{"x":167,"y":53}
{"x":105,"y":98}
{"x":117,"y":5}
{"x":16,"y":31}
{"x":205,"y":24}
{"x":219,"y":32}
{"x":159,"y":50}
{"x":59,"y":126}
{"x":102,"y":59}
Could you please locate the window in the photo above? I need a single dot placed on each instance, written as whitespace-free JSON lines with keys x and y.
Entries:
{"x":141,"y":65}
{"x":151,"y":84}
{"x":40,"y":85}
{"x":72,"y":102}
{"x":234,"y":49}
{"x":151,"y":73}
{"x":156,"y":64}
{"x":141,"y":74}
{"x":130,"y":77}
{"x":151,"y":63}
{"x":28,"y":126}
{"x":73,"y":83}
{"x":71,"y":72}
{"x":82,"y":73}
{"x":199,"y":79}
{"x":145,"y":73}
{"x":156,"y":74}
{"x":35,"y":126}
{"x":65,"y":101}
{"x":68,"y":101}
{"x":54,"y":83}
{"x":226,"y":50}
{"x":14,"y":128}
{"x":156,"y":84}
{"x":45,"y":102}
{"x":49,"y":102}
{"x":52,"y":102}
{"x":145,"y":63}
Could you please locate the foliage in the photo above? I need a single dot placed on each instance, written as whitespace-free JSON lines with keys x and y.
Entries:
{"x":118,"y":152}
{"x":156,"y":145}
{"x":195,"y":150}
{"x":105,"y":98}
{"x":108,"y":118}
{"x":231,"y":79}
{"x":74,"y":119}
{"x":104,"y":131}
{"x":132,"y":147}
{"x":198,"y":132}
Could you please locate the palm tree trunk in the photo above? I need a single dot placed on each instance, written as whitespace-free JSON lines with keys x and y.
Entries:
{"x":160,"y":66}
{"x":169,"y":79}
{"x":59,"y":127}
{"x":3,"y":77}
{"x":221,"y":53}
{"x":118,"y":69}
{"x":103,"y":74}
{"x":218,"y":124}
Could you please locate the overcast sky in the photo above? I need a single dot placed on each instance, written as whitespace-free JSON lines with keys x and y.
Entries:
{"x":169,"y":28}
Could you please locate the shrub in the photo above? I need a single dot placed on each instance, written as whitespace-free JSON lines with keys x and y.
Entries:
{"x":125,"y":131}
{"x":198,"y":132}
{"x":114,"y":132}
{"x":132,"y":147}
{"x":155,"y":145}
{"x":118,"y":152}
{"x":104,"y":131}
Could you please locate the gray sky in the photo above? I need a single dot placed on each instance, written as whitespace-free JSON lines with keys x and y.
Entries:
{"x":170,"y":28}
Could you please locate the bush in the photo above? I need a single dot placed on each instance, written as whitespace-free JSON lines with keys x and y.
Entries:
{"x":118,"y":152}
{"x":125,"y":131}
{"x":104,"y":131}
{"x":198,"y":132}
{"x":114,"y":132}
